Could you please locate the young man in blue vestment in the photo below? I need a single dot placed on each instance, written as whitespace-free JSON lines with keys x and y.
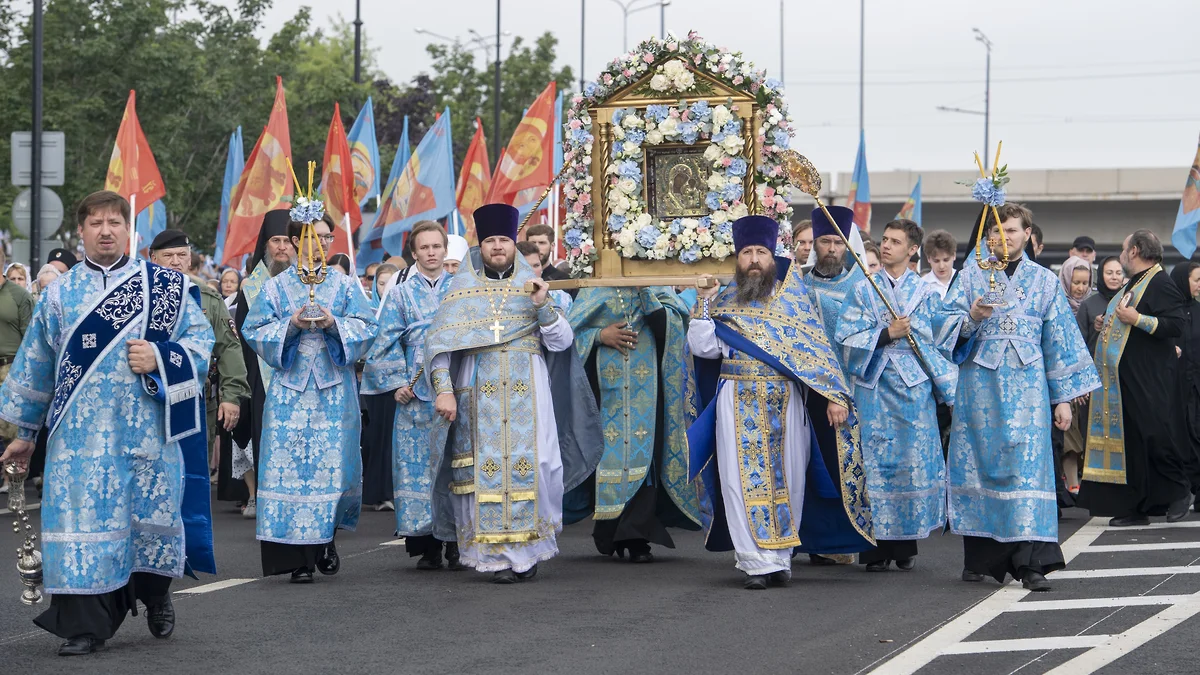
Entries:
{"x":895,"y":389}
{"x":310,"y":470}
{"x":1016,"y":359}
{"x":776,"y":449}
{"x":396,"y":365}
{"x":114,"y":364}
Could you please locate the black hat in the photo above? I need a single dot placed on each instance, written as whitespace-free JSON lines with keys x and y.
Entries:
{"x":275,"y":224}
{"x":1084,"y":242}
{"x":63,"y":256}
{"x":496,"y":220}
{"x":169,"y":239}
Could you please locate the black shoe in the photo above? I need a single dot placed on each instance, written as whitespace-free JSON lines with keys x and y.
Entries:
{"x":906,"y":564}
{"x":878,"y":566}
{"x":973,"y":577}
{"x":504,"y":577}
{"x":820,"y":560}
{"x":780,"y":578}
{"x":80,"y":646}
{"x":528,"y":574}
{"x":755,"y":582}
{"x":301,"y":576}
{"x":1178,"y":510}
{"x":160,"y":618}
{"x":330,"y":561}
{"x":1130,"y":521}
{"x":453,"y":558}
{"x":1035,"y":581}
{"x":432,"y":558}
{"x":640,"y":553}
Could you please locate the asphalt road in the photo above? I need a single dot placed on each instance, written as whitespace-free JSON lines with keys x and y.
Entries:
{"x":686,"y":613}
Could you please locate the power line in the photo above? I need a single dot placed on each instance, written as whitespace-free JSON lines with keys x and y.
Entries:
{"x":1052,"y":78}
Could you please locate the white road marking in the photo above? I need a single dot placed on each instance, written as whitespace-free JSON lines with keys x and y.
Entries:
{"x":215,"y":586}
{"x":1158,"y":526}
{"x":1120,"y":645}
{"x":1127,"y":572}
{"x":394,"y":542}
{"x":1156,"y":546}
{"x":1027,"y":644}
{"x":1094,"y":603}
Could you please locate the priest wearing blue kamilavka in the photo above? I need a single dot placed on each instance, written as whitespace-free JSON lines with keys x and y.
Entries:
{"x":1019,"y":353}
{"x":310,"y":471}
{"x":522,"y":423}
{"x":113,"y":364}
{"x":776,"y":450}
{"x":897,"y":391}
{"x":395,"y":366}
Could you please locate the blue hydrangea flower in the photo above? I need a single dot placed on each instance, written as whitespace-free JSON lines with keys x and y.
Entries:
{"x":647,"y":236}
{"x":616,"y":222}
{"x":701,"y":111}
{"x":737,"y":167}
{"x":580,"y":136}
{"x":781,"y":138}
{"x":573,"y":237}
{"x":635,"y":136}
{"x":725,"y":229}
{"x":629,"y":169}
{"x":733,"y":126}
{"x":589,"y":89}
{"x":618,"y":115}
{"x":712,"y":200}
{"x":676,"y":227}
{"x":690,"y":254}
{"x":706,"y":222}
{"x":657,"y":113}
{"x":773,"y":83}
{"x":731,"y":191}
{"x":689,"y":132}
{"x":986,"y":192}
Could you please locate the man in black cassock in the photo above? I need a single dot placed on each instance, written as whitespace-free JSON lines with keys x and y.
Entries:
{"x":1134,"y":467}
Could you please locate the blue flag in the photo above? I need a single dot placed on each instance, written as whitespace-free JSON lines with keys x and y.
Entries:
{"x":235,"y":161}
{"x":859,"y":199}
{"x":370,"y":248}
{"x":364,"y":154}
{"x":424,"y":190}
{"x":1183,"y":236}
{"x":150,"y":222}
{"x":912,"y":208}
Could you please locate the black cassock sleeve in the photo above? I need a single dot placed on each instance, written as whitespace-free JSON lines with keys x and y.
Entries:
{"x":1164,"y":301}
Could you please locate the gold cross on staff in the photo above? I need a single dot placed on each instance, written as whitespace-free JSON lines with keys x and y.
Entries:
{"x":496,"y":327}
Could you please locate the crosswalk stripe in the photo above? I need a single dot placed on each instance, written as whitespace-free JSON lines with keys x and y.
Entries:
{"x":1123,"y":643}
{"x":1155,"y":546}
{"x":1126,"y":572}
{"x":1027,"y":644}
{"x":215,"y":586}
{"x":1093,"y":603}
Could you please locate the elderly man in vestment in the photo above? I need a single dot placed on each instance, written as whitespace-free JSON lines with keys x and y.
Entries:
{"x":114,"y":363}
{"x":1134,"y":467}
{"x":310,"y":470}
{"x":632,"y":341}
{"x":395,"y":365}
{"x":524,"y":427}
{"x":1016,"y":359}
{"x":897,"y":391}
{"x":773,"y":390}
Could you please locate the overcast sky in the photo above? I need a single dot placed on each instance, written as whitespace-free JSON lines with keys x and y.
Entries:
{"x":1075,"y":83}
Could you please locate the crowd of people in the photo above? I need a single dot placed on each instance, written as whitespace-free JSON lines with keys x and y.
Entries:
{"x":834,"y":403}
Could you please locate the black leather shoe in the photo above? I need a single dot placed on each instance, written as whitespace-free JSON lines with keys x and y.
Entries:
{"x":780,"y":578}
{"x":504,"y":577}
{"x":80,"y":646}
{"x":755,"y":582}
{"x":1130,"y":521}
{"x":973,"y":577}
{"x":160,"y":618}
{"x":453,"y":557}
{"x":1035,"y":581}
{"x":1178,"y":510}
{"x":906,"y":564}
{"x":820,"y":560}
{"x":527,"y":574}
{"x":432,"y":558}
{"x":640,"y":553}
{"x":330,"y":562}
{"x":301,"y":576}
{"x":878,"y":566}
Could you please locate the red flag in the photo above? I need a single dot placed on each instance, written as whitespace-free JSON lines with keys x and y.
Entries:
{"x":264,"y":184}
{"x":337,"y":177}
{"x":474,"y":181}
{"x":132,"y":170}
{"x":528,"y":161}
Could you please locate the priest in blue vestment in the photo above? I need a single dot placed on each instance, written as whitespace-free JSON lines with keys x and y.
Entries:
{"x":522,"y":424}
{"x":310,"y":471}
{"x":776,"y":450}
{"x":1016,"y":359}
{"x":897,"y":391}
{"x":395,"y":366}
{"x":113,"y":364}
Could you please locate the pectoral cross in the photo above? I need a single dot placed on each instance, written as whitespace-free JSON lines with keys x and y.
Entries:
{"x":496,"y":327}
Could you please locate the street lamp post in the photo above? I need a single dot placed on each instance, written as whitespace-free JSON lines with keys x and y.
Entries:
{"x":484,"y":43}
{"x":582,"y":34}
{"x":357,"y":41}
{"x":987,"y":95}
{"x":630,"y":6}
{"x":496,"y":95}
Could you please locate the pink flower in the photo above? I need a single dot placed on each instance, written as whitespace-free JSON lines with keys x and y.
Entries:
{"x":726,"y":161}
{"x":575,"y":251}
{"x":675,"y":113}
{"x":737,"y":80}
{"x":648,"y":57}
{"x":575,"y":124}
{"x":753,"y":86}
{"x":607,"y":78}
{"x":770,"y":107}
{"x":577,"y":207}
{"x":585,"y":198}
{"x":586,"y":248}
{"x":699,"y":58}
{"x":769,"y":192}
{"x":781,"y":204}
{"x":671,"y":46}
{"x":684,"y":115}
{"x":576,"y":99}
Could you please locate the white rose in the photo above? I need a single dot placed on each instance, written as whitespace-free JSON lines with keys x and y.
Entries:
{"x":705,"y":239}
{"x":618,"y":133}
{"x":738,"y":211}
{"x":719,"y":216}
{"x":732,"y":144}
{"x":631,"y":122}
{"x":654,"y":137}
{"x":712,"y":153}
{"x":626,"y":237}
{"x":689,"y":223}
{"x":642,"y":220}
{"x":587,"y":147}
{"x":668,"y":126}
{"x":673,"y":68}
{"x":719,"y":251}
{"x":627,"y":185}
{"x":716,"y":181}
{"x":619,"y":204}
{"x":721,"y":115}
{"x":659,"y":82}
{"x":685,"y":80}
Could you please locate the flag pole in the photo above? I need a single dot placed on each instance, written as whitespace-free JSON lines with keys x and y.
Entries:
{"x":133,"y":226}
{"x":350,"y":242}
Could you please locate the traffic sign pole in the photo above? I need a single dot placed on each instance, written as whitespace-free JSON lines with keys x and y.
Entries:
{"x":35,"y":231}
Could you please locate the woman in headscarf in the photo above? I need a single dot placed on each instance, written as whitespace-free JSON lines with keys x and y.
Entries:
{"x":1090,"y":313}
{"x":340,"y":261}
{"x":231,"y":281}
{"x":1186,"y":276}
{"x":1076,"y":279}
{"x":19,"y":275}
